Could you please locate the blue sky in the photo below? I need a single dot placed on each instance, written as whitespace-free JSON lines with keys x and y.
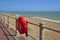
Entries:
{"x":29,"y":5}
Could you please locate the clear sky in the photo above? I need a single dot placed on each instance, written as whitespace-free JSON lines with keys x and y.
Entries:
{"x":29,"y":5}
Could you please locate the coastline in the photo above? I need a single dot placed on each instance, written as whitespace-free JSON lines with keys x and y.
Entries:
{"x":56,"y":21}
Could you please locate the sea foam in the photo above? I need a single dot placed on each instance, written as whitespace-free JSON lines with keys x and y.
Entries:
{"x":47,"y":19}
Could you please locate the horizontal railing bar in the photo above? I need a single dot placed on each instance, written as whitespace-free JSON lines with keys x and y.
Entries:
{"x":52,"y":29}
{"x":9,"y":16}
{"x":10,"y":23}
{"x":32,"y":23}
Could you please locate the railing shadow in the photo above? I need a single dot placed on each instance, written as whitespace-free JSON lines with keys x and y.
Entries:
{"x":7,"y":31}
{"x":3,"y":31}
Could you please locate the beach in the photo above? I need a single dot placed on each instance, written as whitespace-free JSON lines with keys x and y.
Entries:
{"x":51,"y":29}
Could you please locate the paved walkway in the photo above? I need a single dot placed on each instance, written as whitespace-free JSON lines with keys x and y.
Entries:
{"x":2,"y":36}
{"x":3,"y":32}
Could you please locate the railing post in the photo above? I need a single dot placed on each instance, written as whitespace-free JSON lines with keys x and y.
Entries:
{"x":1,"y":17}
{"x":27,"y":30}
{"x":8,"y":21}
{"x":26,"y":34}
{"x":41,"y":31}
{"x":4,"y":18}
{"x":16,"y":27}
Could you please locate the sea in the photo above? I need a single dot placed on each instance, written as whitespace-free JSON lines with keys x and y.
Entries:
{"x":51,"y":16}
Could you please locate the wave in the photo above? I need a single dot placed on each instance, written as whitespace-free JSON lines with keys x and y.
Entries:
{"x":17,"y":15}
{"x":47,"y":19}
